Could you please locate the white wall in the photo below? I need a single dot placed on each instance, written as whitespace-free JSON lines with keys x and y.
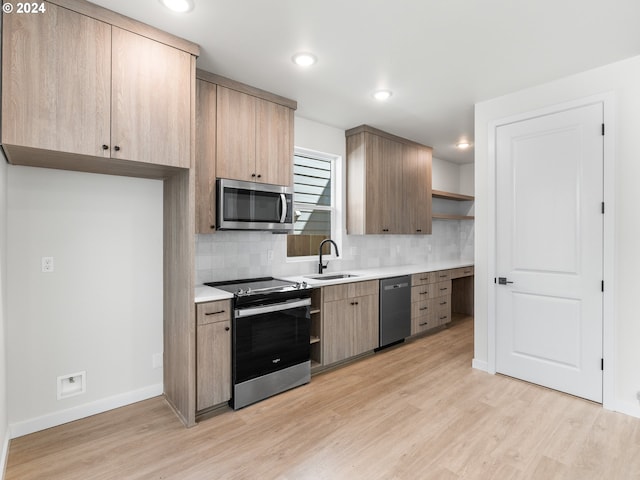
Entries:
{"x":100,"y":311}
{"x":623,"y":79}
{"x":231,"y":255}
{"x":4,"y":422}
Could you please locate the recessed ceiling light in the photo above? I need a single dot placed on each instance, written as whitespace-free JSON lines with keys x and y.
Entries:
{"x":181,"y":6}
{"x":382,"y":94}
{"x":304,"y":59}
{"x":463,"y":145}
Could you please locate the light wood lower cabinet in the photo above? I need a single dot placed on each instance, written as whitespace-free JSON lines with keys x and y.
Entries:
{"x":213,"y":352}
{"x":350,"y":320}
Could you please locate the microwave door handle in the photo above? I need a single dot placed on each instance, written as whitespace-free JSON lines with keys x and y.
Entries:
{"x":283,"y":200}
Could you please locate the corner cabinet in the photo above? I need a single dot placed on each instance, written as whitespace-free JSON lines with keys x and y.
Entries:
{"x":82,"y":87}
{"x":242,"y":133}
{"x":386,"y":175}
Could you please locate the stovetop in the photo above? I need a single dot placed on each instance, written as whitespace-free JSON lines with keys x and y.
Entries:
{"x":256,"y":286}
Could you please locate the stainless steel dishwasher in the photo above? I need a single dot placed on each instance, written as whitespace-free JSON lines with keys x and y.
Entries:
{"x":395,"y":310}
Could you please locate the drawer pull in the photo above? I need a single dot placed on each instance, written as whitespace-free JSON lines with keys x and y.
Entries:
{"x":445,"y":317}
{"x":443,"y":275}
{"x":443,"y":303}
{"x":226,"y":329}
{"x":423,"y":308}
{"x":215,"y":313}
{"x":354,"y":303}
{"x":424,"y":293}
{"x":444,"y":288}
{"x":424,"y":278}
{"x":422,"y":324}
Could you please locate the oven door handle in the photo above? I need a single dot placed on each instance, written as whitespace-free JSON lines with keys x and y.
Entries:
{"x":275,"y":307}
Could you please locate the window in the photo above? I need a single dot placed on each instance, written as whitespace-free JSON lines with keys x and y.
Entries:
{"x":313,"y":202}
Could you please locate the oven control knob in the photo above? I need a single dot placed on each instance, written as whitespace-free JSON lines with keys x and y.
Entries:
{"x":304,"y":284}
{"x":240,"y":291}
{"x":297,"y":286}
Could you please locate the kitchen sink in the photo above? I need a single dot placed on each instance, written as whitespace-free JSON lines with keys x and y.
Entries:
{"x":331,"y":276}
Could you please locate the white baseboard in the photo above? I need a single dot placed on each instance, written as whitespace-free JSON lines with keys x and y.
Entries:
{"x":5,"y":452}
{"x":480,"y":365}
{"x":627,"y":408}
{"x":82,"y":411}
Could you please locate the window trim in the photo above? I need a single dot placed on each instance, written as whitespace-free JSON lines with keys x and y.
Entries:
{"x":336,"y":202}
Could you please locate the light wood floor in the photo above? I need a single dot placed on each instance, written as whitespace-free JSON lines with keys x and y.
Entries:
{"x":414,"y":412}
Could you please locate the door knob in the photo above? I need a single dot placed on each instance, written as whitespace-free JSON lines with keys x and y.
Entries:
{"x":503,"y":281}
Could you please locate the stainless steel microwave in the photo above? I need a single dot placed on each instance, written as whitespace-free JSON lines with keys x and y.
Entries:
{"x":253,"y":206}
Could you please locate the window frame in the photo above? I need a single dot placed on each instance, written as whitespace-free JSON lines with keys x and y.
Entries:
{"x":334,"y":208}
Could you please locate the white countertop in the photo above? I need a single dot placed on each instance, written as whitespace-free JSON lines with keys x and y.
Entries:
{"x":209,"y":294}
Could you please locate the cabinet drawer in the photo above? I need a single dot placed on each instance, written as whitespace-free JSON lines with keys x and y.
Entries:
{"x":443,"y":288}
{"x":419,"y":309}
{"x":422,"y":324}
{"x":212,"y":312}
{"x":462,"y":272}
{"x":443,"y":275}
{"x":423,"y":278}
{"x":422,"y":292}
{"x":441,"y":319}
{"x":442,"y":304}
{"x":349,"y":290}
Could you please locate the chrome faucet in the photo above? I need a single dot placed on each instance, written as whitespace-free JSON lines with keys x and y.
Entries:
{"x":321,"y":266}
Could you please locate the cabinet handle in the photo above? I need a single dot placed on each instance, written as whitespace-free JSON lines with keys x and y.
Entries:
{"x":423,"y":293}
{"x":443,"y":289}
{"x":354,"y":303}
{"x":253,"y":175}
{"x":423,"y":324}
{"x":116,"y":148}
{"x":423,"y":308}
{"x":226,"y":329}
{"x":215,"y":313}
{"x":105,"y":147}
{"x":424,"y":278}
{"x":419,"y":230}
{"x":442,"y":318}
{"x":443,"y":275}
{"x":443,"y":303}
{"x":213,"y":227}
{"x":259,"y":176}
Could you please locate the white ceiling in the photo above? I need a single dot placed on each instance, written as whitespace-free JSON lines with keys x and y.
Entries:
{"x":439,"y":57}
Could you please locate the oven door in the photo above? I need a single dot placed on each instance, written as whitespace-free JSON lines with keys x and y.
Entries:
{"x":269,"y":338}
{"x":254,"y":206}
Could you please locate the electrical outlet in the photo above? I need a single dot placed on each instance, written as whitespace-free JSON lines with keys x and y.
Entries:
{"x":72,"y":384}
{"x":47,"y":264}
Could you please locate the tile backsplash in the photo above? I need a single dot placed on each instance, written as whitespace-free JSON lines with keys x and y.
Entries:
{"x":232,"y":255}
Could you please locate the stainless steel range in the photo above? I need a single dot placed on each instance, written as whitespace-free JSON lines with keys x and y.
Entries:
{"x":270,"y":346}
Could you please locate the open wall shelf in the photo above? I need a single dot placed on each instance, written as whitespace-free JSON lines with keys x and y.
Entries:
{"x":457,"y":197}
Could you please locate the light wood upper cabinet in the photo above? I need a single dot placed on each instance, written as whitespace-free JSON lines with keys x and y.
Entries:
{"x":75,"y":88}
{"x":151,"y":101}
{"x":274,"y":142}
{"x":416,"y":189}
{"x":236,"y":135}
{"x":255,"y":138}
{"x":388,"y":184}
{"x":56,"y":82}
{"x":205,"y":167}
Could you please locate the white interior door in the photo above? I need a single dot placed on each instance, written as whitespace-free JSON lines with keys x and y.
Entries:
{"x":549,"y":193}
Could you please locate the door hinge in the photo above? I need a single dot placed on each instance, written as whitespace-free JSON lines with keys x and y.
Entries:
{"x":602,"y":285}
{"x":602,"y":207}
{"x":603,"y":129}
{"x":602,"y":364}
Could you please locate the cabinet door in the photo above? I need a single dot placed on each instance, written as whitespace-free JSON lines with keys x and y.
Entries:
{"x":56,"y":82}
{"x":274,"y":143}
{"x":365,"y":335}
{"x":236,"y":135}
{"x":213,"y":367}
{"x":384,"y":185}
{"x":416,"y":190}
{"x":205,"y":170}
{"x":338,"y":327}
{"x":151,"y":101}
